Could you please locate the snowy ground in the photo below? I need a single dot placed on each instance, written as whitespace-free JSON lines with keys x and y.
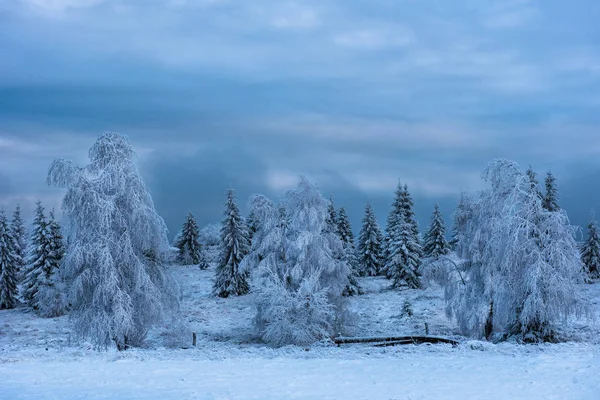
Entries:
{"x":39,"y":359}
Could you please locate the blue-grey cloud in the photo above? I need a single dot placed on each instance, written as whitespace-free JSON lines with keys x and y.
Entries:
{"x":357,"y":95}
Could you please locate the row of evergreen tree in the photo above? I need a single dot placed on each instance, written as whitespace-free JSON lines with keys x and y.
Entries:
{"x":301,"y":252}
{"x":398,"y":254}
{"x":32,"y":265}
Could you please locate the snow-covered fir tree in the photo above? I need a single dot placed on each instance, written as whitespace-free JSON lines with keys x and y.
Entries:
{"x":403,"y":262}
{"x":299,"y":280}
{"x":19,"y":234}
{"x":403,"y":245}
{"x":370,"y":242}
{"x":51,"y":299}
{"x":410,"y":218}
{"x":331,"y":221}
{"x":435,"y":243}
{"x":190,"y":251}
{"x":550,"y":202}
{"x":462,"y":217}
{"x":117,"y":243}
{"x":344,"y":231}
{"x":390,"y":229}
{"x":38,"y":258}
{"x":8,"y":265}
{"x":522,"y":263}
{"x":252,"y":225}
{"x":229,"y":279}
{"x":533,"y":180}
{"x":590,"y":253}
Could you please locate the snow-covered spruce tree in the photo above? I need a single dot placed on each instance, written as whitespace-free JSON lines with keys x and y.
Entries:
{"x":229,"y":279}
{"x":38,"y":259}
{"x":19,"y":234}
{"x":535,"y":184}
{"x":590,"y":253}
{"x":394,"y":216}
{"x":409,"y":216}
{"x":252,"y":226}
{"x":331,"y":221}
{"x":370,"y":243}
{"x":522,"y":263}
{"x":435,"y":244}
{"x":119,"y":288}
{"x":188,"y":243}
{"x":344,"y":231}
{"x":51,"y":299}
{"x":299,"y":280}
{"x":462,"y":217}
{"x":8,"y":265}
{"x":550,"y":202}
{"x":403,"y":262}
{"x":403,"y":247}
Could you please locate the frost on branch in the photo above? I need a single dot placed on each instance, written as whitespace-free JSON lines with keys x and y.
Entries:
{"x":118,"y":286}
{"x":299,"y":277}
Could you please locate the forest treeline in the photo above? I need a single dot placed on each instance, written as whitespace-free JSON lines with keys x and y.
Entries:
{"x":511,"y":266}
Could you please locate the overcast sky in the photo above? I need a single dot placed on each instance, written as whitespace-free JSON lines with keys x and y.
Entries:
{"x":357,"y":94}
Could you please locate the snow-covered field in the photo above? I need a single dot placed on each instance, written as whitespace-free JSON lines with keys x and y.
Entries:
{"x":39,"y":359}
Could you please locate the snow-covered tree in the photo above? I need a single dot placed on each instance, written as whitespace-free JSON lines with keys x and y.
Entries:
{"x":8,"y":265}
{"x":230,"y":280}
{"x":117,"y":242}
{"x":590,"y":253}
{"x":331,"y":221}
{"x":299,"y":279}
{"x":370,"y":243}
{"x":188,"y":243}
{"x":521,"y":264}
{"x":210,"y":235}
{"x":535,"y":184}
{"x":51,"y":299}
{"x":394,"y":216}
{"x":344,"y":231}
{"x":435,"y":244}
{"x":550,"y":202}
{"x":403,"y":263}
{"x":403,"y":247}
{"x":38,"y":259}
{"x":462,"y":217}
{"x":19,"y":234}
{"x":252,"y":225}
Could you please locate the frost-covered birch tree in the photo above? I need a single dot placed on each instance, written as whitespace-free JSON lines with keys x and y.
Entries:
{"x":19,"y":233}
{"x":119,"y":287}
{"x":299,"y":279}
{"x":435,"y":243}
{"x":188,"y":243}
{"x":8,"y":265}
{"x":590,"y":253}
{"x":370,"y":241}
{"x":230,"y":280}
{"x":522,"y":263}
